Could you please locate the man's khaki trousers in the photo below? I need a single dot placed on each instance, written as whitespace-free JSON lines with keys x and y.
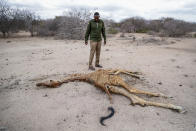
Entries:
{"x":95,"y":47}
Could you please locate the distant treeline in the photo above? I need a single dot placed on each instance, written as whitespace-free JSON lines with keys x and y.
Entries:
{"x":163,"y":27}
{"x":72,"y":24}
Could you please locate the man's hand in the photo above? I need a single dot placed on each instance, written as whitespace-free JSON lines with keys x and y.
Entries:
{"x":86,"y":42}
{"x":104,"y":42}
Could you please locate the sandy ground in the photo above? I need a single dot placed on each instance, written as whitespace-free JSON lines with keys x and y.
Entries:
{"x":78,"y":106}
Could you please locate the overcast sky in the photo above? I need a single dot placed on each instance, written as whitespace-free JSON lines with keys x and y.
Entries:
{"x":114,"y":9}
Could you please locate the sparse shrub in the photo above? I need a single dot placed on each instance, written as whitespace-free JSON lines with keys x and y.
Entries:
{"x":133,"y":24}
{"x":46,"y":28}
{"x":73,"y":24}
{"x":71,"y":28}
{"x":112,"y":30}
{"x":162,"y":33}
{"x":142,"y":31}
{"x":151,"y":33}
{"x":194,"y":35}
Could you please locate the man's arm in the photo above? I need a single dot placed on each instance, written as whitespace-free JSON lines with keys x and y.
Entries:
{"x":103,"y":33}
{"x":88,"y":30}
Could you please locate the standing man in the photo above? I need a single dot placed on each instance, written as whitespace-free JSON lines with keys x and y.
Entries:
{"x":95,"y":29}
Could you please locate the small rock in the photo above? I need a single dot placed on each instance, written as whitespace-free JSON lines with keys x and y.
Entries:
{"x":45,"y":95}
{"x":171,"y":122}
{"x":134,"y":38}
{"x":160,"y":83}
{"x":191,"y":86}
{"x":106,"y":49}
{"x":9,"y":41}
{"x":178,"y":67}
{"x":185,"y":75}
{"x":180,"y":85}
{"x":157,"y":114}
{"x":173,"y":60}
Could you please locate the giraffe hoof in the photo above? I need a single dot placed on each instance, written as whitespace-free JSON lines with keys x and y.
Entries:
{"x":182,"y":111}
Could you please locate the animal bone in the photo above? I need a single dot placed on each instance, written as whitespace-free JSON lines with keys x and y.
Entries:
{"x":110,"y":81}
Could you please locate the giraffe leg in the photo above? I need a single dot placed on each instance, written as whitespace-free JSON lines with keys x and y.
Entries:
{"x":122,"y":83}
{"x":137,"y":100}
{"x":133,"y":74}
{"x":117,"y":72}
{"x":105,"y":88}
{"x":137,"y":91}
{"x":107,"y":91}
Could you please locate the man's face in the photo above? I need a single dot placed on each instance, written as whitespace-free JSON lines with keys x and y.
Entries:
{"x":96,"y":17}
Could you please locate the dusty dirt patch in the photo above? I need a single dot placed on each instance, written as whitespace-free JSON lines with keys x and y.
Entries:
{"x":78,"y":106}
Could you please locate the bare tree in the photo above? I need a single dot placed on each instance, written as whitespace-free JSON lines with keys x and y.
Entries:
{"x":172,"y":27}
{"x":31,"y":21}
{"x":5,"y":17}
{"x":155,"y":25}
{"x":13,"y":20}
{"x":133,"y":24}
{"x":73,"y":24}
{"x":48,"y":27}
{"x":127,"y":26}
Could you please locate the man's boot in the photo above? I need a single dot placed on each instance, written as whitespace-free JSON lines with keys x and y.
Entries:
{"x":99,"y":66}
{"x":91,"y":67}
